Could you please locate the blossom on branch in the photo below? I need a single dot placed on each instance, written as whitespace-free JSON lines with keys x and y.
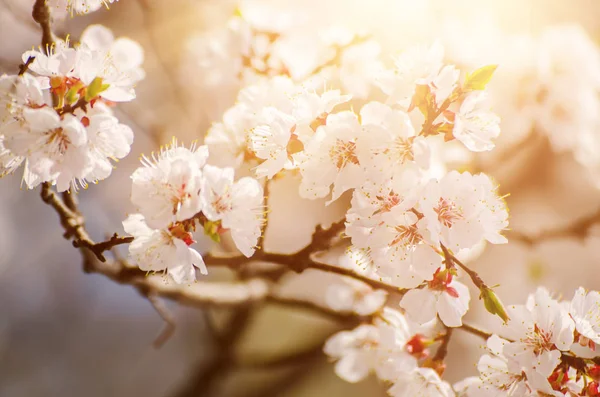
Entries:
{"x":57,"y":118}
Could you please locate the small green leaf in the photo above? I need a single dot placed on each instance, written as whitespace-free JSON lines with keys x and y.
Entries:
{"x":211,"y":229}
{"x":479,"y":79}
{"x":492,"y":303}
{"x":95,"y":88}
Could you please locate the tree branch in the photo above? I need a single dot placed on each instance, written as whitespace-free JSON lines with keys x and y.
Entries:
{"x":442,"y":350}
{"x":42,"y":15}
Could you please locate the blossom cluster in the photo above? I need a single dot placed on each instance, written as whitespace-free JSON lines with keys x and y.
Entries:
{"x":548,"y":350}
{"x":56,"y":115}
{"x":395,"y":349}
{"x":261,"y":41}
{"x":175,"y":191}
{"x":402,"y":215}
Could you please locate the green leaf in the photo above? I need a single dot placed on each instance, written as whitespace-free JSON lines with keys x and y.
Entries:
{"x":492,"y":303}
{"x":211,"y":229}
{"x":95,"y":88}
{"x":479,"y":79}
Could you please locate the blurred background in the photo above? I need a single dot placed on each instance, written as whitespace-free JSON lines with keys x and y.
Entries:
{"x":66,"y":333}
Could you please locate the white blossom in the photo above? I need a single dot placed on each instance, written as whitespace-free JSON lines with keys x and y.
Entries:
{"x":354,"y":296}
{"x":417,"y":65}
{"x":237,"y":205}
{"x":496,"y":379}
{"x":390,"y":143}
{"x":474,"y":125}
{"x":156,"y":250}
{"x":125,"y":54}
{"x":81,"y":6}
{"x":443,"y":296}
{"x":584,"y":309}
{"x":331,"y":158}
{"x":420,"y":382}
{"x":165,"y":189}
{"x":270,"y":142}
{"x":381,"y":348}
{"x":540,"y":329}
{"x":463,"y":209}
{"x":444,"y":83}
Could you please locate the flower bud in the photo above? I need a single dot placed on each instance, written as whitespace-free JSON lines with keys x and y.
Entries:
{"x":492,"y":303}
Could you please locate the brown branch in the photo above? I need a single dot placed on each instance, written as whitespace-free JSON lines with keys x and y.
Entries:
{"x":475,"y":331}
{"x":42,"y":15}
{"x":99,"y":248}
{"x":261,"y":239}
{"x":442,"y":350}
{"x":25,"y":66}
{"x":80,"y":104}
{"x":579,"y":229}
{"x":451,"y":260}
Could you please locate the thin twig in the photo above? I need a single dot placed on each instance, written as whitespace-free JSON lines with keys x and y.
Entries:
{"x":442,"y":350}
{"x":475,"y":278}
{"x":475,"y":331}
{"x":99,"y":248}
{"x":263,"y":230}
{"x":166,"y":315}
{"x":25,"y":66}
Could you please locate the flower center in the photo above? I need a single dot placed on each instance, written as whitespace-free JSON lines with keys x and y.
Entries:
{"x":540,"y":340}
{"x":178,"y":198}
{"x":343,"y":153}
{"x":404,"y":149}
{"x":221,"y":204}
{"x":178,"y":230}
{"x":58,"y":138}
{"x":448,"y":212}
{"x":386,"y":203}
{"x":408,"y":236}
{"x":417,"y":346}
{"x":441,"y":282}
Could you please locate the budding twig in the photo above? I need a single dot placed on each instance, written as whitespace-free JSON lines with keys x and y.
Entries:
{"x":99,"y":248}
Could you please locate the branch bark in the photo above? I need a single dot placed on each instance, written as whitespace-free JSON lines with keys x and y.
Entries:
{"x":42,"y":15}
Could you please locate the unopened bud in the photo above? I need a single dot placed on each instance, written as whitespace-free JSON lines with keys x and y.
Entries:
{"x":492,"y":303}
